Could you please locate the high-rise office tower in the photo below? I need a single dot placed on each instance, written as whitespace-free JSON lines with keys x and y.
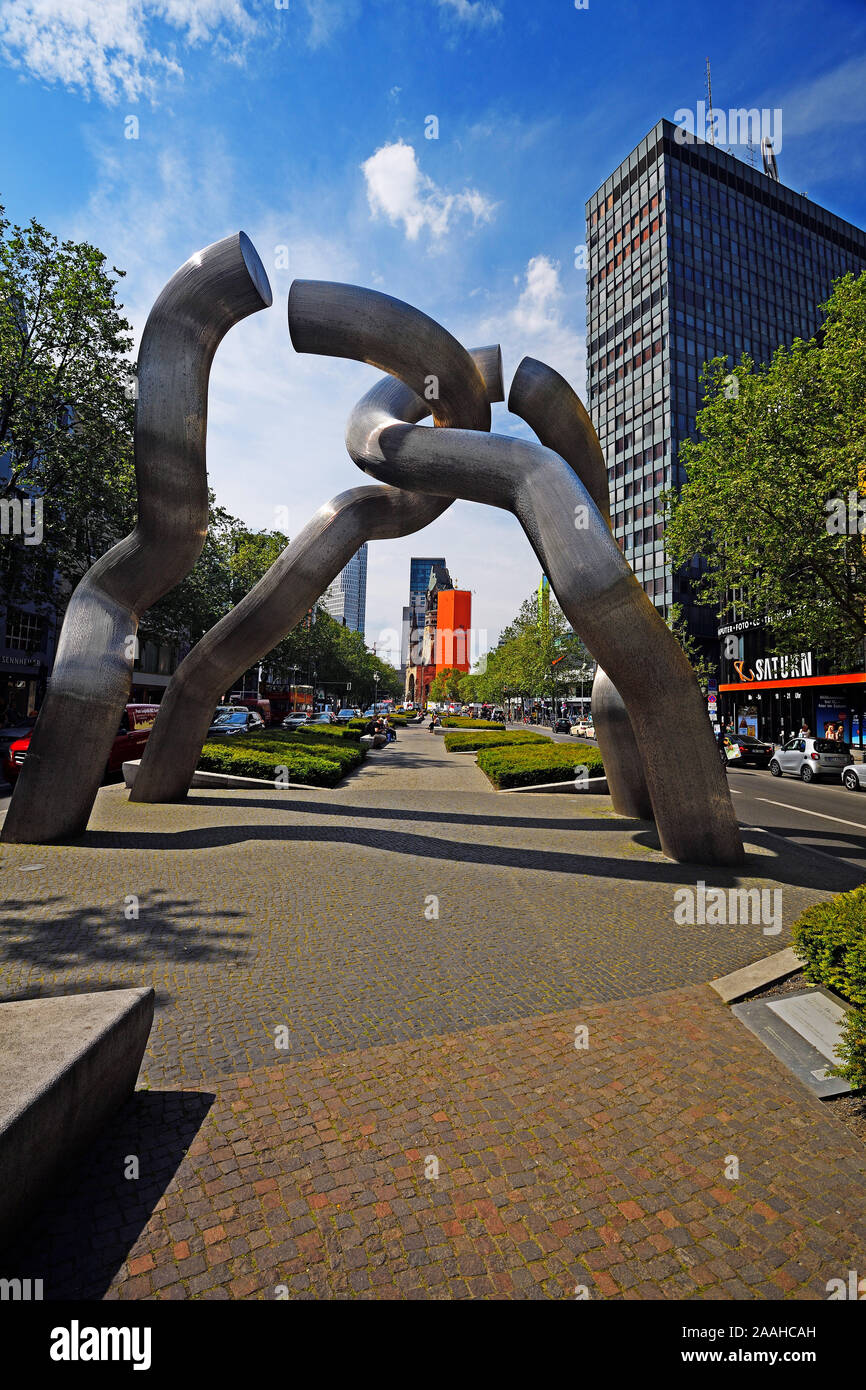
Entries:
{"x":692,"y":254}
{"x":420,"y":569}
{"x":346,"y":597}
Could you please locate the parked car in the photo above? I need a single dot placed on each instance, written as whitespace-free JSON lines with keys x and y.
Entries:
{"x":222,"y":710}
{"x":562,"y":726}
{"x":240,"y":721}
{"x":13,"y":731}
{"x":583,"y":728}
{"x":136,"y":723}
{"x":854,"y":777}
{"x":344,"y":715}
{"x":296,"y":721}
{"x":742,"y":748}
{"x":324,"y":717}
{"x":810,"y":758}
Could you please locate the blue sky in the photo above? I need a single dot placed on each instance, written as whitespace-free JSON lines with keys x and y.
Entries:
{"x":304,"y":123}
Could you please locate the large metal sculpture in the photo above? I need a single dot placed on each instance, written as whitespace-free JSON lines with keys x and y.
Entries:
{"x":468,"y":382}
{"x":92,"y":673}
{"x":591,"y":578}
{"x":557,"y":488}
{"x":547,"y":403}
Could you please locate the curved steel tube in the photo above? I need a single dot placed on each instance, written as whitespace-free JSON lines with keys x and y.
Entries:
{"x":297,"y":578}
{"x":597,"y":591}
{"x":548,"y":404}
{"x":92,"y":673}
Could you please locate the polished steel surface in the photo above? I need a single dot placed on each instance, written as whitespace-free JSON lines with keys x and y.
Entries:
{"x":592,"y":581}
{"x":90,"y":683}
{"x":306,"y":567}
{"x":550,"y":406}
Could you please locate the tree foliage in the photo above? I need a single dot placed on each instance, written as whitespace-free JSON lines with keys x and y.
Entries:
{"x":776,"y":444}
{"x":66,"y":406}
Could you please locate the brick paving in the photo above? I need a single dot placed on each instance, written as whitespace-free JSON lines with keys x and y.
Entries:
{"x":601,"y":1168}
{"x":411,"y":1038}
{"x":307,"y":910}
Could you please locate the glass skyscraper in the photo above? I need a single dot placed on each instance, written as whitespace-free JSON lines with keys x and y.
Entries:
{"x":346,"y":597}
{"x":420,"y":568}
{"x":692,"y":254}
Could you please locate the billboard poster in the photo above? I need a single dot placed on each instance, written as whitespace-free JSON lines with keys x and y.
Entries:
{"x":831,"y":716}
{"x":747,"y":722}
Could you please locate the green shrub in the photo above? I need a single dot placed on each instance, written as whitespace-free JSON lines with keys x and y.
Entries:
{"x":523,"y":766}
{"x":462,"y":721}
{"x":831,"y":939}
{"x":302,"y":764}
{"x":460,"y":742}
{"x":851,"y":1051}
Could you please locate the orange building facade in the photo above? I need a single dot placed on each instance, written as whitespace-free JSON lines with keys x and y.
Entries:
{"x":453,"y":626}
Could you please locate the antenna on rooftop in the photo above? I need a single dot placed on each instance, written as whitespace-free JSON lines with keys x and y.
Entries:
{"x":710,"y":123}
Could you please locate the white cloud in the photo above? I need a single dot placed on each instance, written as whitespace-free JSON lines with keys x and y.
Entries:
{"x":326,"y":17}
{"x":537,"y":326}
{"x":480,"y":13}
{"x":836,"y":98}
{"x":398,"y":190}
{"x":105,"y":48}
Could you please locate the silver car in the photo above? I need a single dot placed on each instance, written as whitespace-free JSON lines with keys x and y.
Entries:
{"x":854,"y":777}
{"x":810,"y":758}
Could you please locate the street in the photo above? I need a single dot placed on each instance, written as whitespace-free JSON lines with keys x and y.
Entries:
{"x":822,"y":816}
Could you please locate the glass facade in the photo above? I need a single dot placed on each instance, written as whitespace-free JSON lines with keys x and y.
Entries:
{"x":692,"y":254}
{"x":346,"y":597}
{"x":420,"y":569}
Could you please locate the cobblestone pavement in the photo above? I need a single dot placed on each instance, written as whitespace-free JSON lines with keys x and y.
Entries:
{"x":601,"y":1168}
{"x":315,"y":910}
{"x":308,"y":919}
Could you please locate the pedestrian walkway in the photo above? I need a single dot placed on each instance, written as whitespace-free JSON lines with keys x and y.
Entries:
{"x":350,"y":982}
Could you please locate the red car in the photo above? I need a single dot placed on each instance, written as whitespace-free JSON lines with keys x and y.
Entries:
{"x":136,"y":723}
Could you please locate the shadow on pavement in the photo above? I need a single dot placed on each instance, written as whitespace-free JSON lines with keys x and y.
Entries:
{"x":83,"y":1234}
{"x":167,"y":928}
{"x":797,"y":868}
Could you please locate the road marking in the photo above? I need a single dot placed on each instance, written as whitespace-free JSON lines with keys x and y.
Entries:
{"x":786,"y":806}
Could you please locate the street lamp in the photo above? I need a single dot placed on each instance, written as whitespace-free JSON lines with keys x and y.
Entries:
{"x":294,"y":671}
{"x":376,"y":700}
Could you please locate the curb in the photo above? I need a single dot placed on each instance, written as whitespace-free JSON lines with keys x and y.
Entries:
{"x":758,"y":975}
{"x":595,"y":785}
{"x":225,"y":779}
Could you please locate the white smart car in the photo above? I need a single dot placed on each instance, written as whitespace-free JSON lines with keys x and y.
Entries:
{"x":810,"y":758}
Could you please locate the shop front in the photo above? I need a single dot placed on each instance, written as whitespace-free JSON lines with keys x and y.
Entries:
{"x":22,"y":679}
{"x":772,"y":695}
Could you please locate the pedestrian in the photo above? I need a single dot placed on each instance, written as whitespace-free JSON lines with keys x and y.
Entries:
{"x":805,"y":731}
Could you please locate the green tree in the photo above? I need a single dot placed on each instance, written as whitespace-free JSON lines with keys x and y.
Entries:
{"x":777,"y":443}
{"x":537,"y":658}
{"x":66,"y":407}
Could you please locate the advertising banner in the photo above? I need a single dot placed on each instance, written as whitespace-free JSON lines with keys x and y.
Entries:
{"x":832,"y":718}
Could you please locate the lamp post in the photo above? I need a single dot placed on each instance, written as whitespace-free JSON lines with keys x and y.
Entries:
{"x":294,"y":671}
{"x":376,"y":679}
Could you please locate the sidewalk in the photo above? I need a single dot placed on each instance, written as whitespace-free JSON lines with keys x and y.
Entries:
{"x":425,"y":947}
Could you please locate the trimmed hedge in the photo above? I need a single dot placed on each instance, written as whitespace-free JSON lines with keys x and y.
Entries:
{"x":462,"y":721}
{"x":523,"y":766}
{"x":319,"y":757}
{"x":831,"y":939}
{"x":460,"y":742}
{"x":303,"y":765}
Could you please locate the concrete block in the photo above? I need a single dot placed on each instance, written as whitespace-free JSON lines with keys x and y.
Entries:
{"x":596,"y":786}
{"x":65,"y":1064}
{"x":226,"y":779}
{"x":761,"y":973}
